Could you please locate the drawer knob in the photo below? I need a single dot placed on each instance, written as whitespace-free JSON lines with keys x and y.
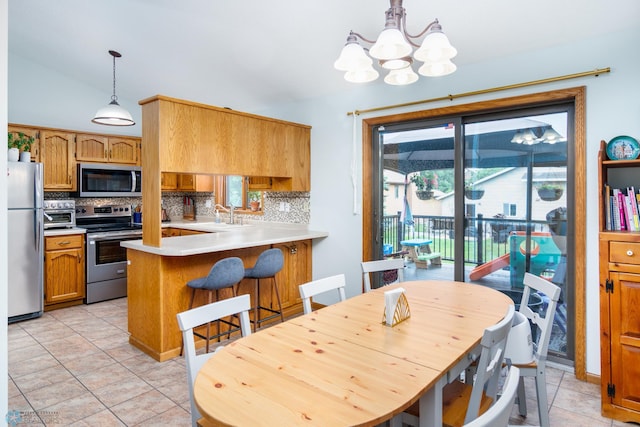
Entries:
{"x":629,"y":252}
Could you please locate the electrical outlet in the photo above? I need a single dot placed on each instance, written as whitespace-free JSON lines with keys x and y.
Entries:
{"x":287,"y":207}
{"x":305,"y":207}
{"x":281,"y":206}
{"x":208,"y":203}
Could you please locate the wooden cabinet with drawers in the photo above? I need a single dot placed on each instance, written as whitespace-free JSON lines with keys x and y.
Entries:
{"x":619,"y":300}
{"x":64,"y":265}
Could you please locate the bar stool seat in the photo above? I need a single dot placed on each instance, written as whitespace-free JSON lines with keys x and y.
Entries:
{"x":225,"y":274}
{"x":268,"y":264}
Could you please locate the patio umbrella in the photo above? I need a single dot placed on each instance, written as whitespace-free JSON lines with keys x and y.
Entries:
{"x":407,"y":216}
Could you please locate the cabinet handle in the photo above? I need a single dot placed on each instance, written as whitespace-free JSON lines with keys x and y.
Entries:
{"x":66,"y":242}
{"x":629,"y":252}
{"x":293,"y":249}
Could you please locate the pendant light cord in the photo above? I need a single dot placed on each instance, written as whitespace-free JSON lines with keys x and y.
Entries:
{"x":114,"y":97}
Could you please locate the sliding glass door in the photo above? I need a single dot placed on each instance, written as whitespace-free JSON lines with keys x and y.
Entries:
{"x":482,"y":199}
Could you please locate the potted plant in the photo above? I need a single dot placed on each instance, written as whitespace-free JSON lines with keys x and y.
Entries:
{"x":424,"y":186}
{"x":471,"y":192}
{"x":19,"y":147}
{"x":550,"y":192}
{"x":254,"y":200}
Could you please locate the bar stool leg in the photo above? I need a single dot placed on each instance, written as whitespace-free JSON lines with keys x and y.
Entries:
{"x":256,"y":307}
{"x":275,"y":285}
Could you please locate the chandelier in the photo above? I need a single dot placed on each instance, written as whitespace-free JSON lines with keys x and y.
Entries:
{"x":113,"y":114}
{"x":393,"y":50}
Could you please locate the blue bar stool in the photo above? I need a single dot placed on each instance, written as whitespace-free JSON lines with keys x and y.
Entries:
{"x":224,"y":274}
{"x":267,"y":265}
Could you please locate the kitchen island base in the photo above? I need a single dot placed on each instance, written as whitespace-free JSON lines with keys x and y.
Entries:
{"x":157,"y":290}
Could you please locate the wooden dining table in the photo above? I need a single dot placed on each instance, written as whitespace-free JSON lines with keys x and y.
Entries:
{"x":341,"y":366}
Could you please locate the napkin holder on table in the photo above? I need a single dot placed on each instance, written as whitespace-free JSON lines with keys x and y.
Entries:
{"x":396,"y":307}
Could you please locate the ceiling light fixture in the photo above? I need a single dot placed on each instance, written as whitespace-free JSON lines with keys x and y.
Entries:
{"x":393,"y":52}
{"x":113,"y":114}
{"x":528,"y":137}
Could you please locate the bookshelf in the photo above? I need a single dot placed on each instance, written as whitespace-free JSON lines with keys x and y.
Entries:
{"x":619,"y":281}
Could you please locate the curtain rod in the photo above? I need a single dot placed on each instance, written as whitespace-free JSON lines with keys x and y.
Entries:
{"x":596,"y":73}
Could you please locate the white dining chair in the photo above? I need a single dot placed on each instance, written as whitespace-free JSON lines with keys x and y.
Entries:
{"x":541,"y":346}
{"x":320,"y":286}
{"x":463,"y":402}
{"x":498,"y":415}
{"x":384,"y":265}
{"x":195,"y":317}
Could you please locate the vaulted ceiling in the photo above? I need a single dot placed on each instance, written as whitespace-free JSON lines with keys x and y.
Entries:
{"x":247,"y":54}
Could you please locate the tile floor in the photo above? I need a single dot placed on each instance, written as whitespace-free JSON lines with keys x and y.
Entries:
{"x":75,"y":367}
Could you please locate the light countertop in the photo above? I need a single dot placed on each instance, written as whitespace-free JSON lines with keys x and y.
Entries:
{"x":224,"y":237}
{"x":63,"y":231}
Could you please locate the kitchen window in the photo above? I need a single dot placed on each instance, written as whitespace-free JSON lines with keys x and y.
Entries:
{"x":234,"y":191}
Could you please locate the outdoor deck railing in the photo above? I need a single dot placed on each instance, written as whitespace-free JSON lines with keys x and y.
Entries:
{"x":486,"y":238}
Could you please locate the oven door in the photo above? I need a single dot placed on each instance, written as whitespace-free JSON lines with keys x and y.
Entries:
{"x":106,"y":259}
{"x":59,"y":218}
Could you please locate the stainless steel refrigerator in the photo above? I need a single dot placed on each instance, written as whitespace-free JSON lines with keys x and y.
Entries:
{"x":25,"y":228}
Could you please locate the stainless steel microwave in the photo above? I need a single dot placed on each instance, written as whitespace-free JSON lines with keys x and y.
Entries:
{"x":107,"y":180}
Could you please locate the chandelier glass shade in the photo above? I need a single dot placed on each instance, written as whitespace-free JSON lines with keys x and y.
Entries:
{"x":113,"y":114}
{"x":393,"y":50}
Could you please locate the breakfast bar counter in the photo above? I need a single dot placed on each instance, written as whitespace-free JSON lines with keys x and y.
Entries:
{"x":157,"y":276}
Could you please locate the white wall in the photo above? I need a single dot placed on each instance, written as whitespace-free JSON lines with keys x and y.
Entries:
{"x":4,"y":275}
{"x":612,"y":109}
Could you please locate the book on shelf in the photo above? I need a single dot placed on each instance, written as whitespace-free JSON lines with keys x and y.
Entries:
{"x":622,"y":208}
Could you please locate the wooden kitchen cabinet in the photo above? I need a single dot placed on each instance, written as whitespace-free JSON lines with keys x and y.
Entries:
{"x":107,"y":149}
{"x":57,"y":154}
{"x":64,"y":271}
{"x":260,"y":183}
{"x":197,"y":183}
{"x":169,"y":181}
{"x":32,"y":132}
{"x":296,"y":271}
{"x":186,"y":182}
{"x":619,"y":300}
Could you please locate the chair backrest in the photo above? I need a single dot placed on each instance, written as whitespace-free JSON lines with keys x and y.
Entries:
{"x":224,"y":273}
{"x":268,"y":264}
{"x":320,"y":286}
{"x":493,"y":343}
{"x":498,"y":414}
{"x":369,"y":267}
{"x":198,"y":316}
{"x":544,"y":324}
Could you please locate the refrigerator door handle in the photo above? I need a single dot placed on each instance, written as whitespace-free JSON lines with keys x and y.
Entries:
{"x":39,"y":226}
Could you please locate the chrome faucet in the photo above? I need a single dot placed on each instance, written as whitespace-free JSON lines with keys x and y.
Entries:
{"x":229,"y":209}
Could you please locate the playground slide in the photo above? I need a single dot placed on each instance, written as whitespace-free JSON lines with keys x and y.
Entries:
{"x":489,"y":267}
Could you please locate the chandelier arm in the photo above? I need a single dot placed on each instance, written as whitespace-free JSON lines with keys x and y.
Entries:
{"x":361,"y":37}
{"x":409,"y":37}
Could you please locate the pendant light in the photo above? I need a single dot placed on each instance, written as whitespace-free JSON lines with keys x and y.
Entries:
{"x":113,"y":114}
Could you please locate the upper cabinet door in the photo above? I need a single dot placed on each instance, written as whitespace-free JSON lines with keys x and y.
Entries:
{"x":57,"y":155}
{"x":32,"y":132}
{"x":103,"y":149}
{"x":124,"y":150}
{"x":92,"y":148}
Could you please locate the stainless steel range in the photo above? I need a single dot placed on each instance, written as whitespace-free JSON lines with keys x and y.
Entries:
{"x":106,"y":227}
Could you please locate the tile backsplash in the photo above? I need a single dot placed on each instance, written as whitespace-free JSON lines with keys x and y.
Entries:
{"x":290,"y":207}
